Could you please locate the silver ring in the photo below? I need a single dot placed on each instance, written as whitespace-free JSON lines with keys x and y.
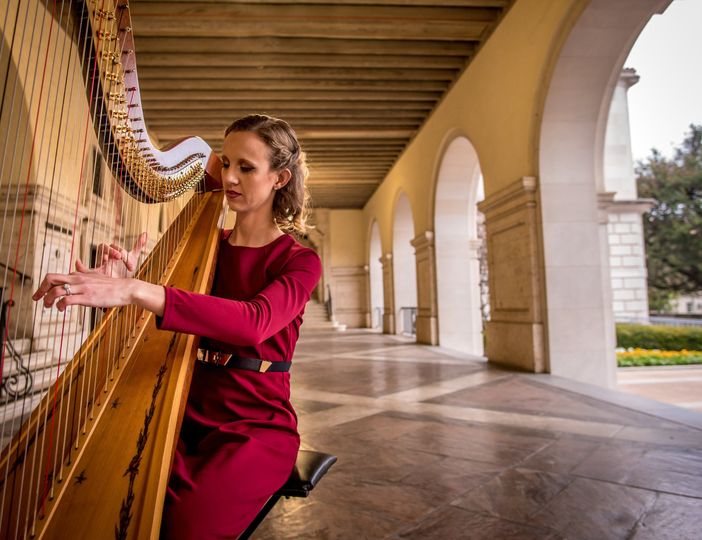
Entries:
{"x":67,"y":288}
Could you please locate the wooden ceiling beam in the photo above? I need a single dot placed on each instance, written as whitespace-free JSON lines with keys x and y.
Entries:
{"x":295,"y":73}
{"x":169,"y":134}
{"x":161,"y":85}
{"x":271,"y":96}
{"x":321,"y":60}
{"x":362,"y":168}
{"x":287,"y":114}
{"x":260,"y":105}
{"x":423,"y":3}
{"x":294,"y":45}
{"x":300,"y":125}
{"x":359,"y":165}
{"x":309,"y":21}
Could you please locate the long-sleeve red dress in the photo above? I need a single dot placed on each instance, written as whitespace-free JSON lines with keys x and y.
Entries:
{"x":239,"y":439}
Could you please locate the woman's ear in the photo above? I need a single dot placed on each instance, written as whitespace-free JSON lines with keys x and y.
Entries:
{"x":284,"y":177}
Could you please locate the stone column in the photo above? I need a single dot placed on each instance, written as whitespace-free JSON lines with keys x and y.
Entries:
{"x":475,"y":321}
{"x":349,"y":296}
{"x":388,"y":294}
{"x":514,"y":335}
{"x":627,"y":259}
{"x":427,"y":309}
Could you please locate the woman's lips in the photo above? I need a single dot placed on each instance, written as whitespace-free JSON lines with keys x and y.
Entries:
{"x":233,"y":194}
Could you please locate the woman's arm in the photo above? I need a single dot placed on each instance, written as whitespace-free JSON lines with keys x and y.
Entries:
{"x":244,"y":322}
{"x":94,"y":289}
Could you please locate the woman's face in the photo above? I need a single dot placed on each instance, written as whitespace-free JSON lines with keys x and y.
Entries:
{"x":247,"y":179}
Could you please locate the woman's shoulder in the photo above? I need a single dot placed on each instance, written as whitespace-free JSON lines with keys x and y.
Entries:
{"x":295,"y":250}
{"x":292,"y":256}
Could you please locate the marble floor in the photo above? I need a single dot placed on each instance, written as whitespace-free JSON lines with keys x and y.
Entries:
{"x":434,"y":445}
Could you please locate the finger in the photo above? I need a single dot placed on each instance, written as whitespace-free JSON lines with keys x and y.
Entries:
{"x":103,"y":250}
{"x":49,"y":281}
{"x":117,"y":252}
{"x":141,"y":241}
{"x":55,"y":293}
{"x":65,"y":301}
{"x":80,"y":267}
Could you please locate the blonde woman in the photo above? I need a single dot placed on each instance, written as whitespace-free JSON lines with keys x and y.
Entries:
{"x":239,"y":439}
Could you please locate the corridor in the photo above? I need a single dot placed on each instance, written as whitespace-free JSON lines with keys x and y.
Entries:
{"x":437,"y":446}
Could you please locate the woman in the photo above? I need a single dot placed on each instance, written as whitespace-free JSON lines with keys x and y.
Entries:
{"x":239,"y":439}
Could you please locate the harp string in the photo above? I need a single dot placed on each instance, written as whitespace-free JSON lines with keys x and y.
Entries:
{"x":11,"y":175}
{"x":29,"y":167}
{"x":35,"y":463}
{"x":53,"y":127}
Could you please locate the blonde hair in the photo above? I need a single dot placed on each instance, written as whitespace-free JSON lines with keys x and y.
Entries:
{"x":290,"y":203}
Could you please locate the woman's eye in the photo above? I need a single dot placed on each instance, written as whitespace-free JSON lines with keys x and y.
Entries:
{"x":246,"y":168}
{"x":225,"y":164}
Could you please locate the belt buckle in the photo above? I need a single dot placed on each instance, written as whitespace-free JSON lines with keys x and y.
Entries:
{"x":265,"y":364}
{"x":220,"y":358}
{"x":213,"y":357}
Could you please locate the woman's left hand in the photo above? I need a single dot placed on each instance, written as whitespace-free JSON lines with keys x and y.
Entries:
{"x":85,"y":287}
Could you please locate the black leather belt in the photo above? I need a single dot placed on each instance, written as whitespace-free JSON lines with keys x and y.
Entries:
{"x":231,"y":360}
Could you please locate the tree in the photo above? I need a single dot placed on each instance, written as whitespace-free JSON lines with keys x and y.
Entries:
{"x":673,"y":227}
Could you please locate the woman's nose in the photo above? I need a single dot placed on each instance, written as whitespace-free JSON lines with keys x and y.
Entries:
{"x":229,"y":177}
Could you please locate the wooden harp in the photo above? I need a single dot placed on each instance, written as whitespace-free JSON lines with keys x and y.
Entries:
{"x":90,"y":402}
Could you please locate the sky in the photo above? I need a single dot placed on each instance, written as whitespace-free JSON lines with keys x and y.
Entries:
{"x":668,"y":97}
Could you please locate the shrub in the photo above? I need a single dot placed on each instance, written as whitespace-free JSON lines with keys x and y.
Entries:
{"x":669,"y":338}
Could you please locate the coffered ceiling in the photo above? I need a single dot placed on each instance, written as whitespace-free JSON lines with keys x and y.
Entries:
{"x":355,"y":78}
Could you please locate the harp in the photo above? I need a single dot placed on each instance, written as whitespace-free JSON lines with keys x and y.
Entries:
{"x":90,"y":402}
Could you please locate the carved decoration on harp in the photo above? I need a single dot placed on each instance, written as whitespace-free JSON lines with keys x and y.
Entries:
{"x":148,"y":174}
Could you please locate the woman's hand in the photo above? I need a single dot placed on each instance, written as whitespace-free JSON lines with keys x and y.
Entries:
{"x":85,"y":287}
{"x":115,"y":261}
{"x":93,"y":288}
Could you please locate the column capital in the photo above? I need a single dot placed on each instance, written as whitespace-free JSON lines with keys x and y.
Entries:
{"x":514,"y":195}
{"x":607,"y":203}
{"x":628,"y":77}
{"x":423,"y":240}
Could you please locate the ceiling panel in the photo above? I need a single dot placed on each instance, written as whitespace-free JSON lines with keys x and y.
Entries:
{"x":355,"y":78}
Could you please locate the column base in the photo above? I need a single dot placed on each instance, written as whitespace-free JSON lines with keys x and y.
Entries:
{"x":427,"y":330}
{"x":516,"y":345}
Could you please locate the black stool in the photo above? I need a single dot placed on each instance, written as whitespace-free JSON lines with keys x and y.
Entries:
{"x":309,"y":469}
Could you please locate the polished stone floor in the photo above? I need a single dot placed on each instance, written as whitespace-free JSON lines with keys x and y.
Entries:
{"x":433,"y":445}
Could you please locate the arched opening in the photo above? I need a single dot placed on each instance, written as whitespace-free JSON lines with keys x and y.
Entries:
{"x":375,"y":275}
{"x":581,"y":334}
{"x":404,"y":268}
{"x":457,"y":244}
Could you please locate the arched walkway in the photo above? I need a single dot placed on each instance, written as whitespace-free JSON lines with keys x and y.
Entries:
{"x":404,"y":267}
{"x":457,"y":248}
{"x":581,"y":333}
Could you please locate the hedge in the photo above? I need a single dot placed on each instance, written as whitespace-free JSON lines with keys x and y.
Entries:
{"x":668,"y":338}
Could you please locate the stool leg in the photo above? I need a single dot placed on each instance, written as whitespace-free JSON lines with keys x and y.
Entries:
{"x":259,"y":517}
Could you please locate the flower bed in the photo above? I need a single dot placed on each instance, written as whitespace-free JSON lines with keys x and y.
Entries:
{"x":656,"y":357}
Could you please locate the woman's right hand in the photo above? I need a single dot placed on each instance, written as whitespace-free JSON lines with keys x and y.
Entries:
{"x":116,"y":261}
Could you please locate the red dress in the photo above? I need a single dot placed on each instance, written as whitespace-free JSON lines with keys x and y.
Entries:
{"x":239,"y":439}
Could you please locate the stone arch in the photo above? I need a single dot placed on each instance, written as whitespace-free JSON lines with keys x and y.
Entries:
{"x":580,"y":324}
{"x":457,"y":245}
{"x":404,"y":264}
{"x":375,"y":276}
